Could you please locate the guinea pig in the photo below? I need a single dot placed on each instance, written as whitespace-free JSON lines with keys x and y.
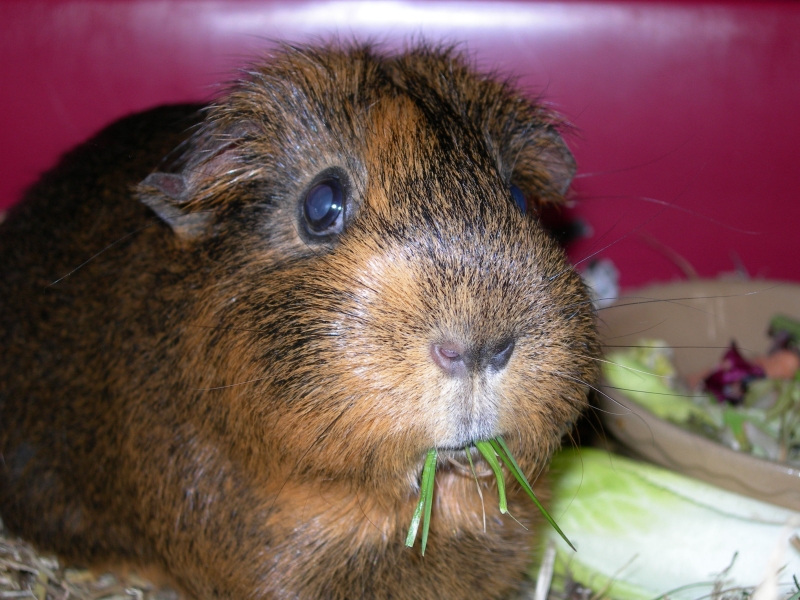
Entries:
{"x":232,"y":333}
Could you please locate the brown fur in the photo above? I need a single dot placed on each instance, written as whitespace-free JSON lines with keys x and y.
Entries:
{"x":221,"y":394}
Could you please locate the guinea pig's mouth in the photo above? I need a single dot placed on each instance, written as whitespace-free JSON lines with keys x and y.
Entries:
{"x":452,"y":463}
{"x":455,"y":461}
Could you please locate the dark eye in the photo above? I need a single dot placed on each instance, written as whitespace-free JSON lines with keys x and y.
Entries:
{"x":323,"y":207}
{"x":519,"y":198}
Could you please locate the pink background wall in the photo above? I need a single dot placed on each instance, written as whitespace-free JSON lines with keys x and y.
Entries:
{"x":686,"y":114}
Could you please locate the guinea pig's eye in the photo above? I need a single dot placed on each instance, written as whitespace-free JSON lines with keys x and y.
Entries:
{"x":519,"y":198}
{"x":323,"y":207}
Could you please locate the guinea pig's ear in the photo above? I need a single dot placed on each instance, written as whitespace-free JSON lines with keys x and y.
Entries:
{"x":558,"y":161}
{"x":166,"y":194}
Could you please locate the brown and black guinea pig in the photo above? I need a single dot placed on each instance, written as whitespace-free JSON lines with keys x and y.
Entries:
{"x":231,"y":333}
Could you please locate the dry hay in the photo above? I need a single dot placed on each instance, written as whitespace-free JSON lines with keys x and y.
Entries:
{"x":24,"y":573}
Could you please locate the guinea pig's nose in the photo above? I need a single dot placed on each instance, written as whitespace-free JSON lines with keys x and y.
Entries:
{"x":457,"y":360}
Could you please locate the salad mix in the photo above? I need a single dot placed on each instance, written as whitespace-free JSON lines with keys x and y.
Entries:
{"x":751,"y":406}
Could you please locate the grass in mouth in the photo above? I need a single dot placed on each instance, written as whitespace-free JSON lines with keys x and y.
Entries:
{"x":490,"y":450}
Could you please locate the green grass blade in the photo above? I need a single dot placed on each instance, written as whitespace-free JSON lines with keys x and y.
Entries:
{"x":488,"y":452}
{"x":499,"y":445}
{"x":412,"y":530}
{"x":428,"y":474}
{"x":504,"y":451}
{"x":423,"y":494}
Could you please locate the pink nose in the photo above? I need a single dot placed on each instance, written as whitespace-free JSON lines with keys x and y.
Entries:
{"x":458,"y":361}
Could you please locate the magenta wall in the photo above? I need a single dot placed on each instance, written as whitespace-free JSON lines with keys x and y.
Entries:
{"x":686,"y":114}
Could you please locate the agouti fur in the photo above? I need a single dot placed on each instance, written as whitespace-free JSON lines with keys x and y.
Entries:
{"x":193,"y":378}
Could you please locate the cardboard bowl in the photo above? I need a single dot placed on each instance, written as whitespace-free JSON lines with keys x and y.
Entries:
{"x":698,"y":319}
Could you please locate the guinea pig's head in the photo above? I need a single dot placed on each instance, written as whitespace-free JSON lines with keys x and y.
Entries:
{"x":384,"y":284}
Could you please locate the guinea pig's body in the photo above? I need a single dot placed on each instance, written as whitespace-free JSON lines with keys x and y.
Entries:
{"x":231,"y":362}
